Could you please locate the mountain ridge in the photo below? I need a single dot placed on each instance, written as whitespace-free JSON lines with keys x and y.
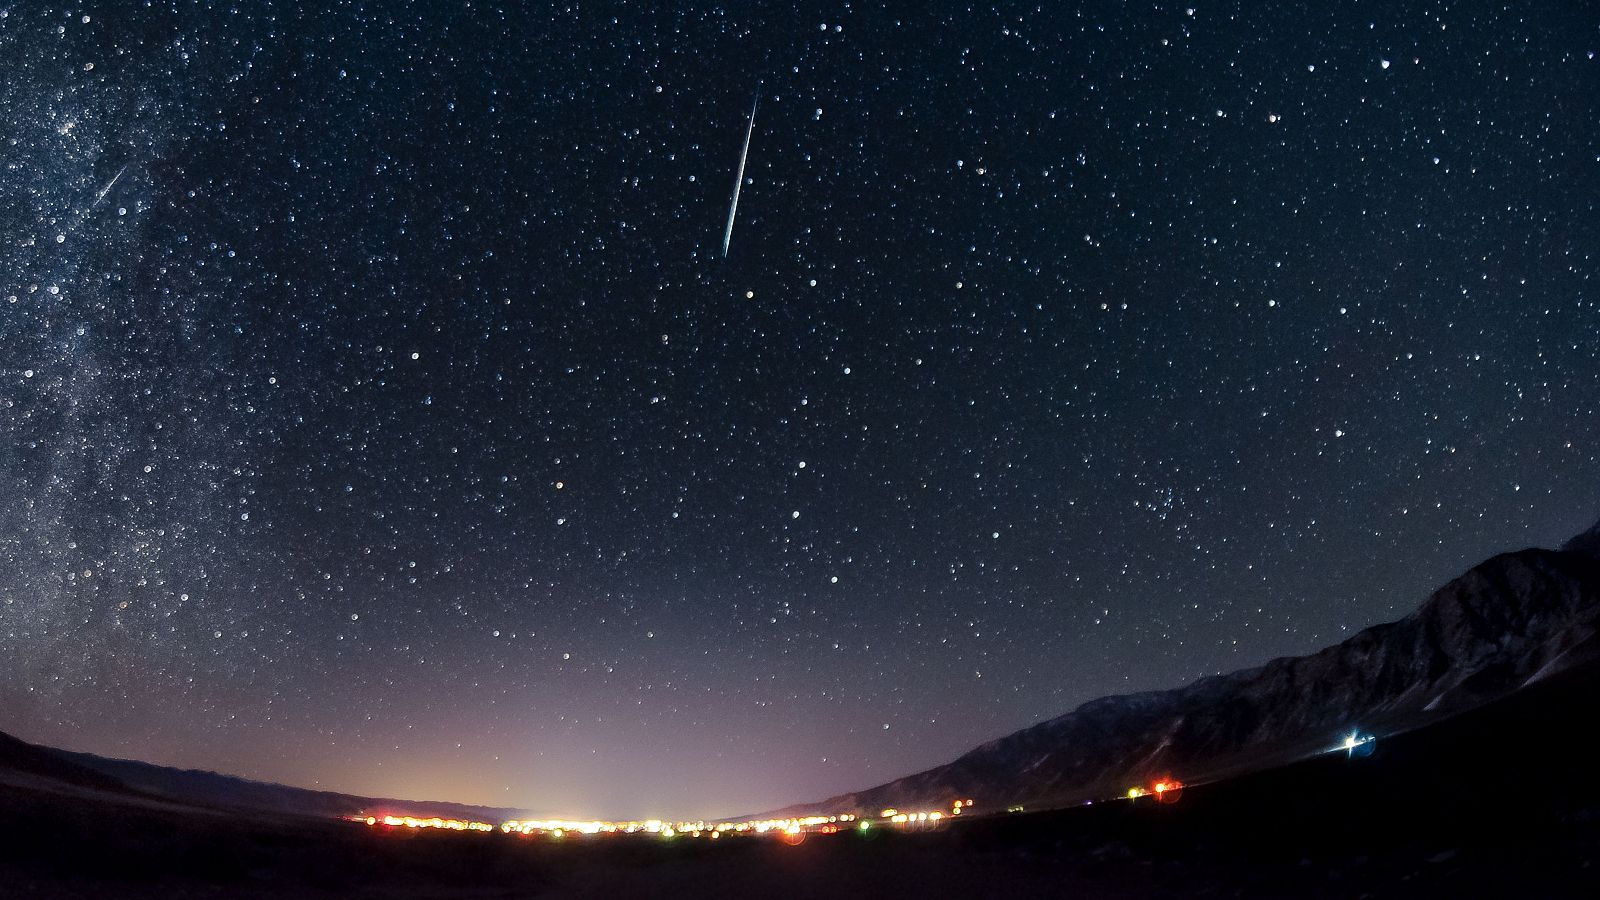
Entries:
{"x":207,"y":788}
{"x":1513,"y":619}
{"x":214,"y":790}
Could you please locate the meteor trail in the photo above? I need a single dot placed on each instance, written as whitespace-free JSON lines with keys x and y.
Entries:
{"x":733,"y":208}
{"x":107,"y":189}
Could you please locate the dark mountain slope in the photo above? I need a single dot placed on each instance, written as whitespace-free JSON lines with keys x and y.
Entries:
{"x":1587,"y":543}
{"x":212,"y":789}
{"x":209,"y":789}
{"x":25,"y":758}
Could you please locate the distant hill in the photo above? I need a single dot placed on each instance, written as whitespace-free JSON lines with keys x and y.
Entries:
{"x":209,"y":789}
{"x":25,"y":758}
{"x":1509,"y":621}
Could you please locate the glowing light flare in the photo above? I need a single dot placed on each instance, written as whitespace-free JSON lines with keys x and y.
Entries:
{"x":1357,"y":744}
{"x":557,"y":829}
{"x":413,"y":822}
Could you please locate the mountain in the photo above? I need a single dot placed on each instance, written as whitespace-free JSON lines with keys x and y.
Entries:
{"x":1509,"y":621}
{"x":1587,"y":543}
{"x":211,"y":789}
{"x":19,"y":758}
{"x":33,"y":764}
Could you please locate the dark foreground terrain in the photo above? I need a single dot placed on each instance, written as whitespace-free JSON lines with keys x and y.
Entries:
{"x":1499,"y":802}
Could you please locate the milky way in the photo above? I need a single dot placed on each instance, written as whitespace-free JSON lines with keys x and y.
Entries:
{"x":377,"y":411}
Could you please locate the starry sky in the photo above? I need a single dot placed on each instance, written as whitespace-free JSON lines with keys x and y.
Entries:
{"x":379,"y":413}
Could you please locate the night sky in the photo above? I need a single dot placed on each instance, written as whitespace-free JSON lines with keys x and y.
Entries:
{"x":379,"y":413}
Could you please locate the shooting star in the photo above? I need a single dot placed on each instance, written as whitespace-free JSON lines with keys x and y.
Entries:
{"x":109,"y":185}
{"x":733,"y":208}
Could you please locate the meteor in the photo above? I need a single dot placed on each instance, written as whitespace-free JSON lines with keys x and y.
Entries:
{"x":733,"y":208}
{"x":111,"y":184}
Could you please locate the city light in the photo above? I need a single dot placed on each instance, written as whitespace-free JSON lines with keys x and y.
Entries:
{"x":413,"y":822}
{"x":790,"y":830}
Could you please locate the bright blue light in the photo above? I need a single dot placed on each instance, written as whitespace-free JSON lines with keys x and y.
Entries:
{"x":1357,"y":744}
